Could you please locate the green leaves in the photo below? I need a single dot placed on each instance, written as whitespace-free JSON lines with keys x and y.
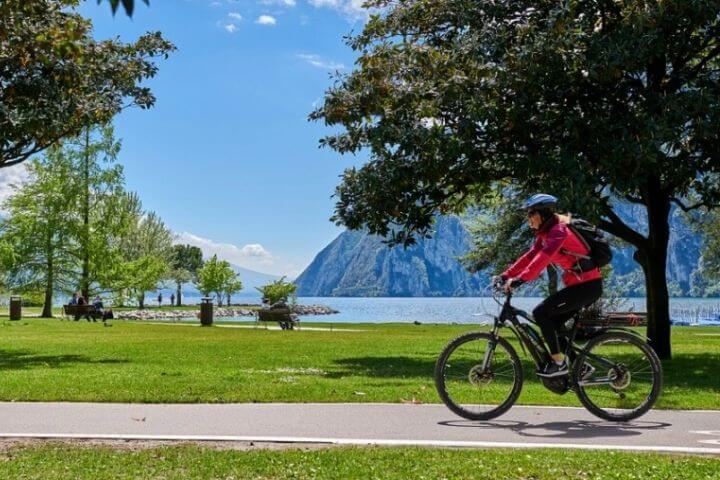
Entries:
{"x":278,"y":291}
{"x":57,"y":79}
{"x":128,"y":5}
{"x":216,"y":276}
{"x":593,"y":102}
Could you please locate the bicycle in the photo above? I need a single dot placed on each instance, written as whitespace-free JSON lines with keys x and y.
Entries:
{"x":616,"y":375}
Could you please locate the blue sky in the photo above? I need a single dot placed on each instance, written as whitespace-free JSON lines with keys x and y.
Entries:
{"x":227,"y":156}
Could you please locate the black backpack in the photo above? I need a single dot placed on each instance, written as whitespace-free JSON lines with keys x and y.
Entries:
{"x":596,"y":243}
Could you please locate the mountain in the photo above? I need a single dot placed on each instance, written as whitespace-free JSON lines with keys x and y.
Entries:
{"x":357,"y":264}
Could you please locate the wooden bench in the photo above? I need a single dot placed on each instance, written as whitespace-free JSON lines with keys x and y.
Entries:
{"x":616,"y":319}
{"x":77,"y":311}
{"x":283,"y":316}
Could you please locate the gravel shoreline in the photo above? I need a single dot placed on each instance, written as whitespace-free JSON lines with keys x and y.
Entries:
{"x":223,"y":312}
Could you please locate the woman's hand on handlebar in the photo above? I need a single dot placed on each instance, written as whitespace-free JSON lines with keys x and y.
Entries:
{"x":511,"y":284}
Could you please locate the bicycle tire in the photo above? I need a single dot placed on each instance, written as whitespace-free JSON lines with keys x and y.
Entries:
{"x":441,"y":385}
{"x":653,"y":360}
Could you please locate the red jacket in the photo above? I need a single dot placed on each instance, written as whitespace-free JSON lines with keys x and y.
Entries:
{"x":551,"y":241}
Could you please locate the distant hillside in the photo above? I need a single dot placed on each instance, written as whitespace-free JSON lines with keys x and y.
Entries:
{"x":356,"y":264}
{"x":250,"y":279}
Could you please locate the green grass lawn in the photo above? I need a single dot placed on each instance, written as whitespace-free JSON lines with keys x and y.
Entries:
{"x":135,"y":362}
{"x":56,"y":461}
{"x":150,"y":306}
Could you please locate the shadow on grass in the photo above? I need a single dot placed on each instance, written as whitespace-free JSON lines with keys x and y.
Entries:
{"x":384,"y":367}
{"x":24,"y":359}
{"x":700,"y":371}
{"x":694,"y":371}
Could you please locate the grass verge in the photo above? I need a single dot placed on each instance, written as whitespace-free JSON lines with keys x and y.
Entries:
{"x":51,"y":360}
{"x":56,"y":461}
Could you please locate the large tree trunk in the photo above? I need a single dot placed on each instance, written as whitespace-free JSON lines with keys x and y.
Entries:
{"x":651,"y":254}
{"x":655,"y":269}
{"x":178,"y":295}
{"x":141,"y":301}
{"x":49,"y":287}
{"x":85,"y":276}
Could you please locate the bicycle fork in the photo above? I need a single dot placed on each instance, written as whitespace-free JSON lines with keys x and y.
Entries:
{"x":490,"y":350}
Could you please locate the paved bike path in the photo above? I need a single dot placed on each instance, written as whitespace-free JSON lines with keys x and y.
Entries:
{"x":362,"y":424}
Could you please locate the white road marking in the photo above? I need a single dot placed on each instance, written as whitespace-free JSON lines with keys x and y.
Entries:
{"x":362,"y":442}
{"x":714,"y":441}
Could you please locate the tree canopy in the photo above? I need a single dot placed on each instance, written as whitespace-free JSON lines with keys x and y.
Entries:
{"x":56,"y":79}
{"x":186,"y":261}
{"x":128,"y":5}
{"x":217,"y":276}
{"x":592,"y":101}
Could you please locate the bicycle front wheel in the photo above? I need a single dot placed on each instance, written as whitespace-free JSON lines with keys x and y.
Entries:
{"x":471,"y":390}
{"x":618,"y":377}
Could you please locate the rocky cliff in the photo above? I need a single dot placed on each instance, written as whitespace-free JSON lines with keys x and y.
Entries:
{"x":357,"y":264}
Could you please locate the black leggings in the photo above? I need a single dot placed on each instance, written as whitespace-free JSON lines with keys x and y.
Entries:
{"x":561,"y":306}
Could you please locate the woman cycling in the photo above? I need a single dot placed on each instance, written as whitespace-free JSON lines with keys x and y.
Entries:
{"x":555,"y":243}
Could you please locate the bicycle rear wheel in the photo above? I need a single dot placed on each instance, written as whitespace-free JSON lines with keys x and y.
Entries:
{"x":619,"y":377}
{"x":471,"y":391}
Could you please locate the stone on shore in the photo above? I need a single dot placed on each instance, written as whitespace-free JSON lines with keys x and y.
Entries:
{"x":222,"y":312}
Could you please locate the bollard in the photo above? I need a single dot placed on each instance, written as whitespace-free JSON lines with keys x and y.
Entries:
{"x":206,"y":311}
{"x":15,"y":308}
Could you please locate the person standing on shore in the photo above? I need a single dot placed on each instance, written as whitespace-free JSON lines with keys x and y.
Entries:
{"x":160,"y":299}
{"x":172,"y":299}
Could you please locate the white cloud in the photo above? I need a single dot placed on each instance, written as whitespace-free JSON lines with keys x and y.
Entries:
{"x":351,"y":8}
{"x":9,"y":177}
{"x":286,"y":3}
{"x":235,"y":16}
{"x":230,"y":27}
{"x":253,"y":255}
{"x":266,"y":20}
{"x":319,"y":62}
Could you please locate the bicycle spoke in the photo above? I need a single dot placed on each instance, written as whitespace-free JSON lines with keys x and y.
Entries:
{"x":469,"y":388}
{"x":627,"y":387}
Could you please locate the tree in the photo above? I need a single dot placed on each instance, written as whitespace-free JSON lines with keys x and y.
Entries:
{"x":146,"y":248}
{"x":128,"y":5}
{"x":38,"y":232}
{"x":233,"y":286}
{"x":216,"y":276}
{"x":57,"y":79}
{"x":596,"y":101}
{"x":186,"y":260}
{"x":151,"y":254}
{"x":99,"y":181}
{"x":278,"y":291}
{"x":709,"y":225}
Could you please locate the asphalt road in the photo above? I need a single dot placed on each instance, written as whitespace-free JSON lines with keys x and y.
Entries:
{"x":362,"y":424}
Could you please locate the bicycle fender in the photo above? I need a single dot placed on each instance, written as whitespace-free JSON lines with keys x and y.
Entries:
{"x":627,"y":330}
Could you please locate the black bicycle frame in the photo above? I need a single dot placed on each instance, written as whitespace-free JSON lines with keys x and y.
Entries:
{"x":530,"y":339}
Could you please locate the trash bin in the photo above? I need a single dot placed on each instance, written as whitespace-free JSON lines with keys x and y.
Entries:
{"x":15,"y":308}
{"x":206,"y":311}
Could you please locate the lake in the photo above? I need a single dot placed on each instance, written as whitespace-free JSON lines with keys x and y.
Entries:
{"x":465,"y":309}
